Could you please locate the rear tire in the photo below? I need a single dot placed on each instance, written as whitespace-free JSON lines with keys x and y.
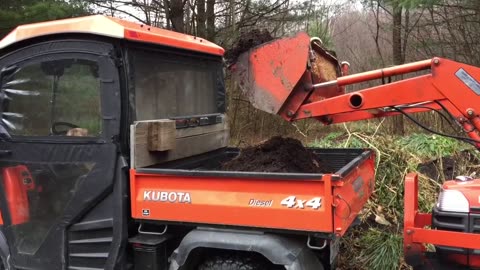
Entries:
{"x":235,"y":262}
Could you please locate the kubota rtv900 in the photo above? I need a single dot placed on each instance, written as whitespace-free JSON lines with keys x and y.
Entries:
{"x":113,"y":134}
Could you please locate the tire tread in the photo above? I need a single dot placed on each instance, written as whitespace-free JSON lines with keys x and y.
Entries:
{"x":233,"y":262}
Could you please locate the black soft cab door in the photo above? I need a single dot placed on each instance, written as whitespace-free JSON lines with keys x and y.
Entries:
{"x":62,"y":179}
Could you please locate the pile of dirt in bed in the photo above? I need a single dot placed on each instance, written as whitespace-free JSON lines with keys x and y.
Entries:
{"x":245,"y":42}
{"x":277,"y":154}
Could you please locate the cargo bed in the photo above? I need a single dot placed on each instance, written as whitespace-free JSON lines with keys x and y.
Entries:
{"x":196,"y":190}
{"x":337,"y":161}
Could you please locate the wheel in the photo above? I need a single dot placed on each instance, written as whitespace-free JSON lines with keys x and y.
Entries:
{"x":236,"y":262}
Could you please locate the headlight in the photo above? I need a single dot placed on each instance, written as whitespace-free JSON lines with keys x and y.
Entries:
{"x":452,"y":201}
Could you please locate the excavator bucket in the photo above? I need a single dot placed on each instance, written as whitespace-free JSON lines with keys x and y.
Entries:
{"x":277,"y":76}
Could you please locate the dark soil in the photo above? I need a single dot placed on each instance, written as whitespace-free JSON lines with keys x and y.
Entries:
{"x":245,"y":42}
{"x":449,"y":167}
{"x":278,"y":154}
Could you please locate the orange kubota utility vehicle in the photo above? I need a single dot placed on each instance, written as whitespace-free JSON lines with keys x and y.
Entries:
{"x":113,"y":135}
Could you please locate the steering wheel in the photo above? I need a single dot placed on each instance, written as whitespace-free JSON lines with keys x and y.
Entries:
{"x":55,"y":126}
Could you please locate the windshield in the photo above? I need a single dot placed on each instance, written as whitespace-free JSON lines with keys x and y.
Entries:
{"x":169,"y":85}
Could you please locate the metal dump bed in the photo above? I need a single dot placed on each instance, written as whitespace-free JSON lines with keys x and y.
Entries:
{"x":194,"y":190}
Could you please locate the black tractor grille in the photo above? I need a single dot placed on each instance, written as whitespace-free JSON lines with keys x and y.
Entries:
{"x":458,"y":222}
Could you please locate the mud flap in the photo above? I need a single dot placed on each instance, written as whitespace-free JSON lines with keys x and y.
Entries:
{"x":280,"y":250}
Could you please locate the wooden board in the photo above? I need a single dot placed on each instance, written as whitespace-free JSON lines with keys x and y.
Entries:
{"x":161,"y":134}
{"x":188,"y":142}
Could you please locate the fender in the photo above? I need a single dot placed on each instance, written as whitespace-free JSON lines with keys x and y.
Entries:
{"x":289,"y":252}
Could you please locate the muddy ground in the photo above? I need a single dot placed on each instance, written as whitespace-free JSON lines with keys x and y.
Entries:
{"x":448,"y":167}
{"x":277,"y":154}
{"x":245,"y":42}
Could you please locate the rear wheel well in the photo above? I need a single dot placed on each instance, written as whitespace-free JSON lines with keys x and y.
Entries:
{"x":202,"y":254}
{"x":290,"y":252}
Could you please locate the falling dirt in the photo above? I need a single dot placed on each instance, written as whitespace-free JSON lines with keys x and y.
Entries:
{"x":277,"y":154}
{"x":245,"y":42}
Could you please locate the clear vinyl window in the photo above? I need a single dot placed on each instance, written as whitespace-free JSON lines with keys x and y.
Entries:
{"x":37,"y":195}
{"x":54,"y":97}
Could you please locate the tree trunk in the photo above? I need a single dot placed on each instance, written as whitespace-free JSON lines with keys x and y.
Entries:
{"x":398,"y":125}
{"x":232,"y":16}
{"x":201,"y":31}
{"x":211,"y":20}
{"x":176,"y":15}
{"x":166,"y":3}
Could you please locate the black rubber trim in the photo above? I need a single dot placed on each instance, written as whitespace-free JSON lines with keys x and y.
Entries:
{"x":220,"y":174}
{"x":438,"y":215}
{"x":338,"y":175}
{"x":354,"y":163}
{"x":474,"y":225}
{"x":438,"y":222}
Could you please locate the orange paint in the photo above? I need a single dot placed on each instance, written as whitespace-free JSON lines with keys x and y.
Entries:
{"x":453,"y":84}
{"x":416,"y":236}
{"x":269,"y":73}
{"x":398,"y":93}
{"x":17,"y":181}
{"x":112,"y":27}
{"x":228,"y":200}
{"x":470,"y":189}
{"x":352,"y":196}
{"x":384,"y":73}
